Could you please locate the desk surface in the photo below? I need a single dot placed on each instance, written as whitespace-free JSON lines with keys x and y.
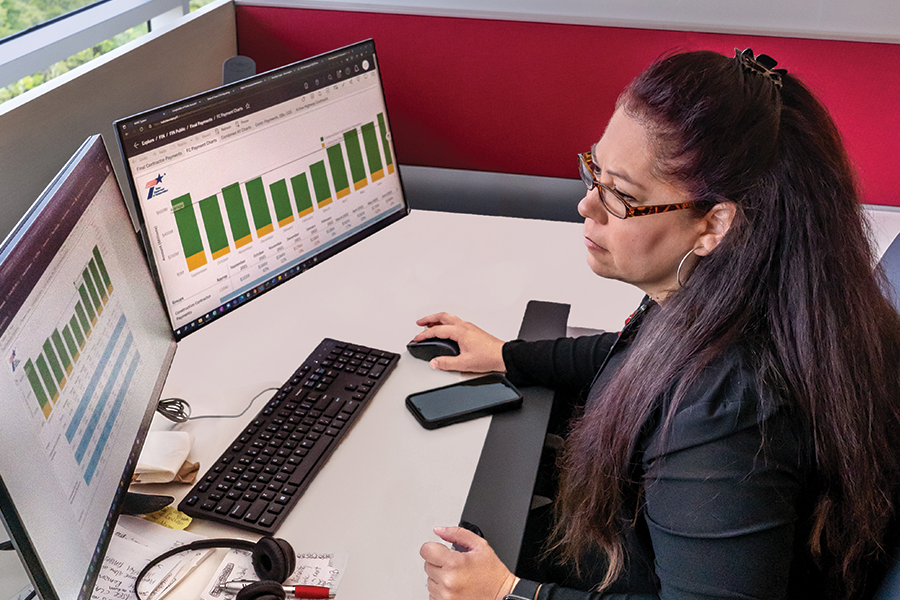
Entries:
{"x":390,"y":481}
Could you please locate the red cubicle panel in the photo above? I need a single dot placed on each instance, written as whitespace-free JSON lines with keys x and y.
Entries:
{"x":525,"y":97}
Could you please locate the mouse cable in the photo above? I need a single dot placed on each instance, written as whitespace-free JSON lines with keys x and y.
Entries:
{"x":174,"y":409}
{"x":178,"y":410}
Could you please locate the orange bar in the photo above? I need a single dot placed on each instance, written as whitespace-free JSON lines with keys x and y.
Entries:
{"x":196,"y":261}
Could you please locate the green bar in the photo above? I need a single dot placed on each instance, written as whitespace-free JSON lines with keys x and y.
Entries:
{"x":76,"y":326}
{"x":61,"y":349}
{"x":85,"y":305}
{"x":103,"y":273}
{"x":301,"y":194}
{"x":44,"y":370}
{"x":188,"y":229}
{"x":382,"y":125}
{"x":338,"y":170}
{"x":95,"y":272}
{"x":92,"y":290}
{"x":54,"y":362}
{"x":320,"y":182}
{"x":237,"y":214}
{"x":371,"y":142}
{"x":214,"y":225}
{"x":70,"y":342}
{"x":354,"y":154}
{"x":281,"y":200}
{"x":36,"y":386}
{"x":259,"y":205}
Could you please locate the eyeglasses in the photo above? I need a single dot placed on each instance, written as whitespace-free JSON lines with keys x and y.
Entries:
{"x":613,"y":201}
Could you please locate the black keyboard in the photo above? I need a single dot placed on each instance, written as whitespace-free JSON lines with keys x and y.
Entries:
{"x":265,"y":470}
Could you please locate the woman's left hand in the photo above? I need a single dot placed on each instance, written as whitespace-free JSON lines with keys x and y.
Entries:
{"x":473,"y":575}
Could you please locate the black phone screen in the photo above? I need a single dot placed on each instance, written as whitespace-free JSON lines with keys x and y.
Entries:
{"x":464,"y":400}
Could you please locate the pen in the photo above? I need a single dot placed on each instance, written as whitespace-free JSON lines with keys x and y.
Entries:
{"x":299,"y":591}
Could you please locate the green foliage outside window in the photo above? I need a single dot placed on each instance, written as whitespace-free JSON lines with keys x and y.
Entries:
{"x":18,"y":15}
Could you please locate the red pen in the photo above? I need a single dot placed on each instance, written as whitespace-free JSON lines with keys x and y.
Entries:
{"x":309,"y":592}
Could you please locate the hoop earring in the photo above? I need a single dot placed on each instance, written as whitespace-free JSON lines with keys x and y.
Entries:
{"x":681,"y":264}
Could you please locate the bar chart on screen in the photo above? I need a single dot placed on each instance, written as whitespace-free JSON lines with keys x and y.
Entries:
{"x":78,"y":370}
{"x":315,"y":180}
{"x":47,"y":373}
{"x":222,"y":223}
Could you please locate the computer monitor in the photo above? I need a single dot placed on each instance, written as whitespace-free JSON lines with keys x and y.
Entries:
{"x":244,"y":187}
{"x":86,"y":347}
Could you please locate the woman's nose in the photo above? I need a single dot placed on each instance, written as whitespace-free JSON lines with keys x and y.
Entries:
{"x":590,"y":206}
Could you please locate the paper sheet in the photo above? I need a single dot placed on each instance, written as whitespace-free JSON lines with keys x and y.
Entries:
{"x":135,"y":543}
{"x":323,"y":569}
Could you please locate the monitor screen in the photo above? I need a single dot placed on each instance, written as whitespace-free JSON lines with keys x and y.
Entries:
{"x":244,"y":187}
{"x":86,"y":348}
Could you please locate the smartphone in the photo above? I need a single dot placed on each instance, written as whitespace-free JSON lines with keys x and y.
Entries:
{"x":463,"y":401}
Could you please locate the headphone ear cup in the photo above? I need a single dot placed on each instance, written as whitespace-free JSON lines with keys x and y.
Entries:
{"x":262,"y":590}
{"x":273,"y":559}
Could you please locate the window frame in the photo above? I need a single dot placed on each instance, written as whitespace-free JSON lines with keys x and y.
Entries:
{"x":28,"y":52}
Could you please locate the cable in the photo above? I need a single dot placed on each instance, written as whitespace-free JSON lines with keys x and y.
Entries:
{"x":174,"y":409}
{"x":179,"y":411}
{"x":240,"y":414}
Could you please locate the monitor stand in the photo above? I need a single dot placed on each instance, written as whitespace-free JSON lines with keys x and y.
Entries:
{"x":142,"y":504}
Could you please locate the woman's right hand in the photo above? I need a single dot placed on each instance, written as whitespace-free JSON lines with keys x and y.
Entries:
{"x":479,"y":351}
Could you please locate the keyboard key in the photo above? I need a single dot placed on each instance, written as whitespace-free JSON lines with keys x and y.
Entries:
{"x":267,"y":520}
{"x":238,"y":510}
{"x":334,"y":408}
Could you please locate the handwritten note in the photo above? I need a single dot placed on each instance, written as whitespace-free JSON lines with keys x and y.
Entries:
{"x":134,"y":544}
{"x":322,"y":569}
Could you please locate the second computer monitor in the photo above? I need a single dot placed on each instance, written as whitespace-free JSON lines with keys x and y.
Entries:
{"x":246,"y":186}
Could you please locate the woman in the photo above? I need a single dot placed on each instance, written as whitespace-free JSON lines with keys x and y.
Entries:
{"x":739,"y":436}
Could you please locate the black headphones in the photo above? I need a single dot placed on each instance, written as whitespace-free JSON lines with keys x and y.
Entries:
{"x":273,"y":560}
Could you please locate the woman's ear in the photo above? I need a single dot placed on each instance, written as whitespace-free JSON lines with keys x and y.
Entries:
{"x":714,"y":225}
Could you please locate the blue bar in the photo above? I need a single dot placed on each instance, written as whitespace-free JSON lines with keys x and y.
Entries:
{"x":102,"y":400}
{"x":111,"y":420}
{"x":98,"y":373}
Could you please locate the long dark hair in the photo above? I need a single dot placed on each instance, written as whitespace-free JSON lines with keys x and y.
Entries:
{"x":792,"y":283}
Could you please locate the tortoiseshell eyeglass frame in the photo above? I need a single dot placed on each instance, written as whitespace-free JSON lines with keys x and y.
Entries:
{"x":589,"y":177}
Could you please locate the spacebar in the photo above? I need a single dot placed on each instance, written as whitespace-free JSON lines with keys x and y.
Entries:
{"x":312,"y":458}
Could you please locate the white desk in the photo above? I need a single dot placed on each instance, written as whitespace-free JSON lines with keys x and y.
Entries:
{"x":390,"y":481}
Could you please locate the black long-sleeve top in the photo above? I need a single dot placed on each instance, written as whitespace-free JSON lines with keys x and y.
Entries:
{"x":723,"y":512}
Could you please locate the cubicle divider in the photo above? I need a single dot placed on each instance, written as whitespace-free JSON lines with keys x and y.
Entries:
{"x":524,"y":97}
{"x":500,"y":497}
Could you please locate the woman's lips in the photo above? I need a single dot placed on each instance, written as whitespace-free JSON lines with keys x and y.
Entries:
{"x":591,"y":245}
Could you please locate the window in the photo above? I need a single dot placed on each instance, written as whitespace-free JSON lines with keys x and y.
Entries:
{"x":42,"y":39}
{"x":19,"y":15}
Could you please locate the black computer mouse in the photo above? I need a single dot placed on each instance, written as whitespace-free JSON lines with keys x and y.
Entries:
{"x":431,"y":347}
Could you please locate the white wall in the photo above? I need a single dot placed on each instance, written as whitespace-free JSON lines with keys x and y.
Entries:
{"x":865,"y":20}
{"x":40,"y":131}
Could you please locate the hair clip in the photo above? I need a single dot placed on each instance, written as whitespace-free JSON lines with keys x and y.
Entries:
{"x":762,"y":64}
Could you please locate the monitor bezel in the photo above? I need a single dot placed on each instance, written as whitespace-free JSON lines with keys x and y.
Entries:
{"x":320,"y":256}
{"x":9,"y":513}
